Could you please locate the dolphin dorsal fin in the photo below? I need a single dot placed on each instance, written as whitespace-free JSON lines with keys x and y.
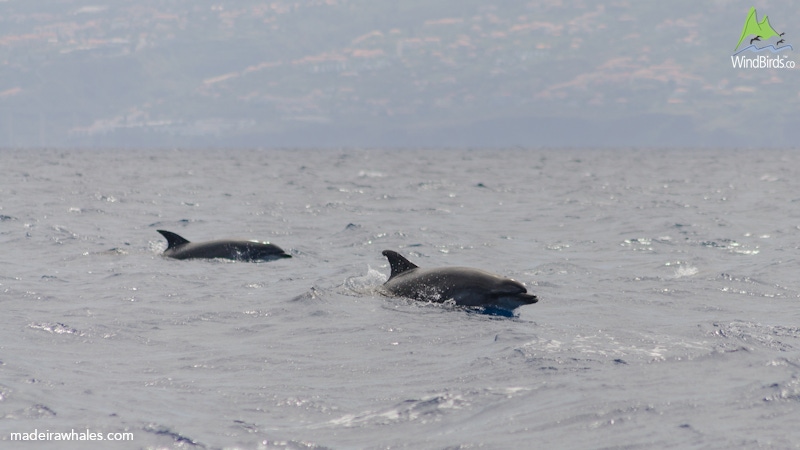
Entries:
{"x":398,"y":263}
{"x":173,"y":240}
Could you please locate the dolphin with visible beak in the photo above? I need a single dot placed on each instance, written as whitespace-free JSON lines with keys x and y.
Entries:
{"x":464,"y":285}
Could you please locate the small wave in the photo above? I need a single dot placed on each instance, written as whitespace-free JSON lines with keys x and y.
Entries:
{"x":789,"y":390}
{"x":585,"y":350}
{"x":685,"y":271}
{"x":293,"y":445}
{"x":414,"y":410}
{"x":370,"y":174}
{"x":156,"y":247}
{"x":310,"y":296}
{"x":116,"y":251}
{"x":55,"y":328}
{"x":367,"y":284}
{"x":730,"y":245}
{"x":776,"y":337}
{"x":37,"y":411}
{"x":179,"y":439}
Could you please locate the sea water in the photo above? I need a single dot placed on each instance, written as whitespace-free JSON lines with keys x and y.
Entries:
{"x":669,"y":311}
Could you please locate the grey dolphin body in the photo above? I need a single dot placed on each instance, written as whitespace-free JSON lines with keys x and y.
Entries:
{"x":251,"y":251}
{"x":466,"y":286}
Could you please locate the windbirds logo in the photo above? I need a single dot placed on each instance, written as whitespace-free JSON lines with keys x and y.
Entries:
{"x":757,"y":37}
{"x":760,"y":35}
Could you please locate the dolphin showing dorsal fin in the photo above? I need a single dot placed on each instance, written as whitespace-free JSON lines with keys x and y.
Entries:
{"x":463,"y":285}
{"x":173,"y":240}
{"x":179,"y":247}
{"x":398,"y":263}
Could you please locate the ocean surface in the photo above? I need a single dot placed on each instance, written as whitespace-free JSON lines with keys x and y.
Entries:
{"x":669,"y":311}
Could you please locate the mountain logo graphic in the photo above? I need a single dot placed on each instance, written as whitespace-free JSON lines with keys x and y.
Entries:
{"x":758,"y":36}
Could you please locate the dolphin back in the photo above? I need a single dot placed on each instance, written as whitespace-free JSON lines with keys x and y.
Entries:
{"x":464,"y":285}
{"x":251,"y":251}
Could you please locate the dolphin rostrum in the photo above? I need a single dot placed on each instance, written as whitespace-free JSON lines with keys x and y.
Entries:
{"x":250,"y":251}
{"x":465,"y":286}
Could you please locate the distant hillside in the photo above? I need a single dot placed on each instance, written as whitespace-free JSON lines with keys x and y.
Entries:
{"x":389,"y":73}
